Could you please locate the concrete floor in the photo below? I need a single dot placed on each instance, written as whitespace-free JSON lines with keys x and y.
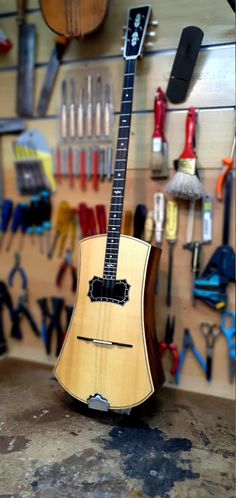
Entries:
{"x":177,"y":445}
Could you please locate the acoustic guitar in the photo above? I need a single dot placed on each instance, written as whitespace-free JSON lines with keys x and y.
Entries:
{"x":110,"y":358}
{"x":73,"y":18}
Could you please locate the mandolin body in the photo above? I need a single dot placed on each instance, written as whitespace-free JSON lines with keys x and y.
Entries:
{"x":73,"y":18}
{"x":126,"y":374}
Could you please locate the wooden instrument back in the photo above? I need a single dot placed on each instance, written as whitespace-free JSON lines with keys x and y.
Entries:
{"x":73,"y":18}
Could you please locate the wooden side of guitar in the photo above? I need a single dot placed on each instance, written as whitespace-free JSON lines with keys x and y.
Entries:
{"x":73,"y":18}
{"x":124,"y":376}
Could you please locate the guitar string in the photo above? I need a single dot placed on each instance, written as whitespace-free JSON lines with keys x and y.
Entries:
{"x":126,"y":108}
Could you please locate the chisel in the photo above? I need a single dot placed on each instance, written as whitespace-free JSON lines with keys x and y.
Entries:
{"x":26,"y":59}
{"x":61,"y":43}
{"x":171,"y":233}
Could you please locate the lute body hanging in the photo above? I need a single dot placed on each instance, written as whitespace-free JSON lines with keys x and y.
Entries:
{"x":110,"y":358}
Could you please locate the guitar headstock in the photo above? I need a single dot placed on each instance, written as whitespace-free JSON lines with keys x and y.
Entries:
{"x":136,"y":30}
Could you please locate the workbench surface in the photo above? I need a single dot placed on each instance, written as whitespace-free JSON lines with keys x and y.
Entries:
{"x":178,"y":444}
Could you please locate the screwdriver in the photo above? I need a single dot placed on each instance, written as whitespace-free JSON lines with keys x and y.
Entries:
{"x":6,"y":211}
{"x":62,"y":215}
{"x":23,"y":224}
{"x":15,"y":224}
{"x":36,"y":206}
{"x":46,"y":216}
{"x":171,"y":234}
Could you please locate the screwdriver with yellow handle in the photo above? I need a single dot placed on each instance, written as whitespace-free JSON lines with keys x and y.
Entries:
{"x":227,"y":165}
{"x":171,"y":235}
{"x":62,"y":220}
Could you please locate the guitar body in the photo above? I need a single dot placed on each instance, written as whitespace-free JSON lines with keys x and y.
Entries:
{"x":73,"y":18}
{"x":126,"y":374}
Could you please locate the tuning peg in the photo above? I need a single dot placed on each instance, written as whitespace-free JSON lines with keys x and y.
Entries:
{"x":151,"y":33}
{"x":122,"y":49}
{"x":153,"y":23}
{"x":148,"y":44}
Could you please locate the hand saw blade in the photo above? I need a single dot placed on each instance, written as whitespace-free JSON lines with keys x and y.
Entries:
{"x":50,"y":76}
{"x":25,"y":79}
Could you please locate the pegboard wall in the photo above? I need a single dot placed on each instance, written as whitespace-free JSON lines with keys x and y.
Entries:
{"x":211,"y":92}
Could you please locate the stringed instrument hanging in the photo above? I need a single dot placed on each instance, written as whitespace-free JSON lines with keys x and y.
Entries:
{"x":110,"y":358}
{"x":73,"y":18}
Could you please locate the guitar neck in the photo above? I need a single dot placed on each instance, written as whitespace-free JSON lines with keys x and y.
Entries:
{"x":118,"y":187}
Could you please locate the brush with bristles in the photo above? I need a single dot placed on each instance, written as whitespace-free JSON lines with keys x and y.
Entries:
{"x":185,"y":183}
{"x":159,"y":166}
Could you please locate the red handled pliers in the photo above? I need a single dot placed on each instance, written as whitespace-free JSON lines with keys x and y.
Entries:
{"x":169,"y":344}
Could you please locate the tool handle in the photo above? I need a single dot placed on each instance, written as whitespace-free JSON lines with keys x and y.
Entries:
{"x":72,"y":121}
{"x":98,"y":122}
{"x":169,"y":277}
{"x":64,"y":121}
{"x":159,"y":114}
{"x":171,"y":220}
{"x":190,"y":123}
{"x":199,"y":358}
{"x":7,"y":209}
{"x":95,"y":169}
{"x":208,"y":368}
{"x":107,"y":119}
{"x":159,"y":215}
{"x":175,"y":358}
{"x":21,"y":8}
{"x":89,"y":129}
{"x":227,"y":165}
{"x":58,"y":164}
{"x":148,"y":227}
{"x":179,"y":365}
{"x":101,"y":217}
{"x":127,"y":225}
{"x":227,"y":206}
{"x":82,"y":169}
{"x":70,"y":166}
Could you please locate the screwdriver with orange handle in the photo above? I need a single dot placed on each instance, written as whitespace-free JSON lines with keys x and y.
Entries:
{"x":227,"y":165}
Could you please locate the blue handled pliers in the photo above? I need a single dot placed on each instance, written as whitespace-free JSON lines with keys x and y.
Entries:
{"x":17,"y":269}
{"x":188,"y":344}
{"x":230,"y":332}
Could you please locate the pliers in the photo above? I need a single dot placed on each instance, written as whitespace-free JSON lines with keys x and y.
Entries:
{"x":22,"y":309}
{"x":188,"y":344}
{"x":17,"y":269}
{"x":169,"y":344}
{"x":67,"y":263}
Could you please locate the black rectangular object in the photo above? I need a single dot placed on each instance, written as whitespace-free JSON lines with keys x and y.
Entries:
{"x":185,"y":60}
{"x":26,"y":59}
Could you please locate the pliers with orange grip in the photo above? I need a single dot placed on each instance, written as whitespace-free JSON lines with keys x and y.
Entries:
{"x":169,"y":344}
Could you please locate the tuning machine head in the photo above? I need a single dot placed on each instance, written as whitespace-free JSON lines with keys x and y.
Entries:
{"x":153,"y":23}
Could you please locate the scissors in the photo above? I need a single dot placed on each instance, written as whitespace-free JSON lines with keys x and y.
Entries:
{"x":229,"y":332}
{"x":210,"y":332}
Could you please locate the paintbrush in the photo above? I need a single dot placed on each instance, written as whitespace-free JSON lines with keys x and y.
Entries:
{"x":159,"y":163}
{"x":185,"y":183}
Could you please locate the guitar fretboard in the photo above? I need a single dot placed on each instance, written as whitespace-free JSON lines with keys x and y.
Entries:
{"x":117,"y":198}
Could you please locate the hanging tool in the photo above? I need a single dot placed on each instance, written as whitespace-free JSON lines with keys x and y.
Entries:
{"x":89,"y":113}
{"x":61,"y":43}
{"x":63,"y":111}
{"x":82,"y":173}
{"x":22,"y":310}
{"x":139,"y":220}
{"x":188,"y":344}
{"x":159,"y":216}
{"x":37,"y":216}
{"x":67,"y":264}
{"x":222,"y":262}
{"x":15,"y":224}
{"x":5,"y":301}
{"x":43,"y":304}
{"x":101,"y":153}
{"x":95,"y":160}
{"x":63,"y":215}
{"x":159,"y":161}
{"x":148,"y":226}
{"x":5,"y":43}
{"x":171,"y":235}
{"x":80,"y":114}
{"x":212,"y":291}
{"x":230,"y":334}
{"x":101,"y":217}
{"x":210,"y":332}
{"x":185,"y":183}
{"x":127,"y":222}
{"x":98,"y":110}
{"x":26,"y":59}
{"x":46,"y":209}
{"x":107,"y":111}
{"x":207,"y":210}
{"x":70,"y":169}
{"x":7,"y":208}
{"x":227,"y":165}
{"x":184,"y":62}
{"x":72,"y":109}
{"x":57,"y":304}
{"x":18,"y":269}
{"x":24,"y":224}
{"x":169,"y":344}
